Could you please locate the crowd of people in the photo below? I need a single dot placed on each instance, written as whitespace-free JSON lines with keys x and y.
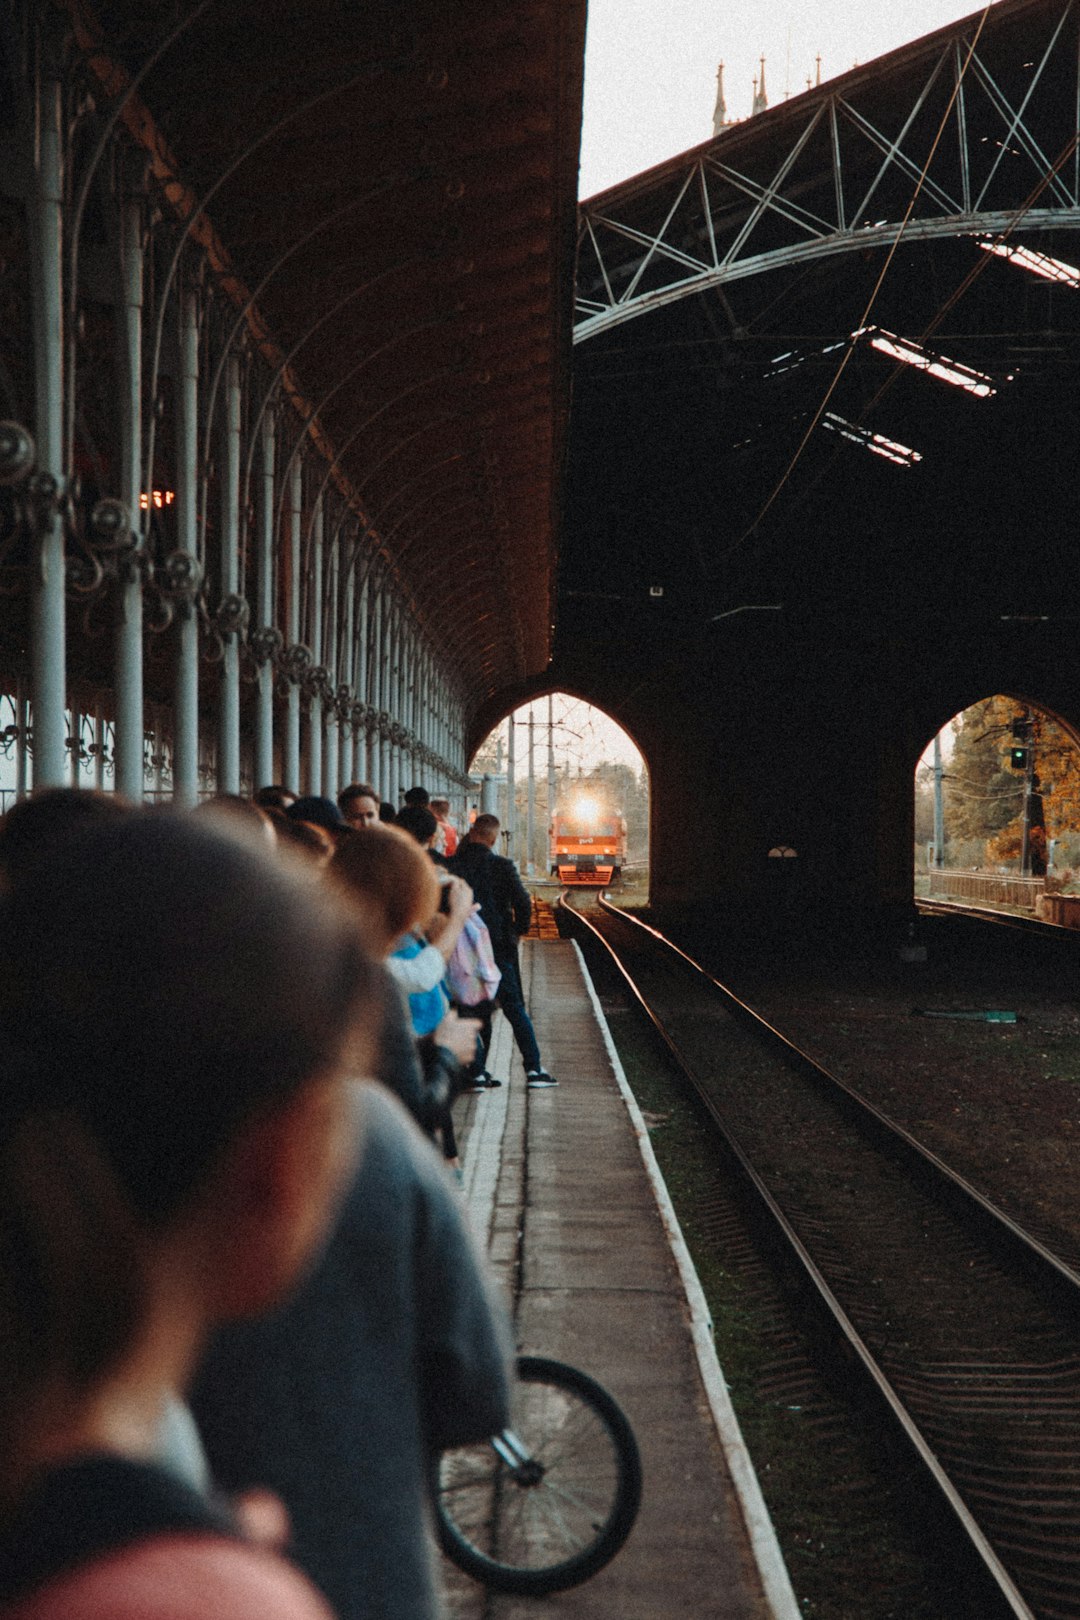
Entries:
{"x":240,"y":1306}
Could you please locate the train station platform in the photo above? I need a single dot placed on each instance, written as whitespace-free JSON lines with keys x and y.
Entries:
{"x":560,"y":1186}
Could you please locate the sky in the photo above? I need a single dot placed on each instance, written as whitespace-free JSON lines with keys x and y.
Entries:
{"x":650,"y":65}
{"x":584,"y":736}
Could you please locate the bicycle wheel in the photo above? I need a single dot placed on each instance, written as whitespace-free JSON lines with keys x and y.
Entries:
{"x":551,"y":1500}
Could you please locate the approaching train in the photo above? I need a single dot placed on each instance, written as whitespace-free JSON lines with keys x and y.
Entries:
{"x":587,"y":843}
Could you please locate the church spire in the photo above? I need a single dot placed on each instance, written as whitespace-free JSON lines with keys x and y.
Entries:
{"x":719,"y":117}
{"x":761,"y":100}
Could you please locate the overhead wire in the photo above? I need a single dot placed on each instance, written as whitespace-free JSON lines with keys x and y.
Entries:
{"x":865,"y":319}
{"x":978,"y":267}
{"x":934,"y":323}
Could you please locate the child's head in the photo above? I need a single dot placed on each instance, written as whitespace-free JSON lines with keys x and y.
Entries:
{"x":175,"y":1010}
{"x":389,"y":879}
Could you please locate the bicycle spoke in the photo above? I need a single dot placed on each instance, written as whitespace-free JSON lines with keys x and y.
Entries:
{"x":539,"y":1529}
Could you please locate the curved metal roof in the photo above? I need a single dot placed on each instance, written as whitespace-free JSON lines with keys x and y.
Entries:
{"x":815,"y":370}
{"x":390,"y":187}
{"x":969,"y":130}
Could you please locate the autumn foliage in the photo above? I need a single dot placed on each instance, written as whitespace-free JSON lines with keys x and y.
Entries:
{"x":983,"y":795}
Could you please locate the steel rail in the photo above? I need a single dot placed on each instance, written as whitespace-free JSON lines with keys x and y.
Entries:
{"x":996,"y":1588}
{"x":1048,"y":1270}
{"x":933,"y":906}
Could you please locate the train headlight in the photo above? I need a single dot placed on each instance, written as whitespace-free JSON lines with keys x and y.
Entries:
{"x":586,"y":810}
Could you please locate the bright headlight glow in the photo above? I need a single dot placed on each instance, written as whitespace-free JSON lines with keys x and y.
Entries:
{"x":586,"y":809}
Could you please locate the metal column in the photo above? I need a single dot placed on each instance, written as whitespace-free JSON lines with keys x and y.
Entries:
{"x":551,"y":759}
{"x":511,"y":792}
{"x":186,"y":688}
{"x":530,"y":803}
{"x":264,"y":611}
{"x":382,"y":666}
{"x":73,"y":752}
{"x":291,"y":761}
{"x":99,"y":749}
{"x":228,"y":762}
{"x":128,"y":633}
{"x":389,"y":701}
{"x":331,"y":723}
{"x":407,"y":685}
{"x":375,"y":762}
{"x":939,"y":807}
{"x":349,"y":734}
{"x":159,"y":756}
{"x":22,"y":729}
{"x":47,"y":607}
{"x":315,"y":610}
{"x":364,"y":762}
{"x":397,"y":783}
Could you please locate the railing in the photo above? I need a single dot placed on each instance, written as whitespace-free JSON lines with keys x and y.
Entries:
{"x":986,"y":888}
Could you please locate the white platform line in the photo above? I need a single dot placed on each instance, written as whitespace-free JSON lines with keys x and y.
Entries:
{"x":775,"y":1580}
{"x":483,"y":1151}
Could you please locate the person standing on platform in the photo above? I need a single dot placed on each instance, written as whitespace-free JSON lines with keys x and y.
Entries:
{"x":359,"y":804}
{"x":506,"y":907}
{"x":182,"y":1018}
{"x":440,"y":808}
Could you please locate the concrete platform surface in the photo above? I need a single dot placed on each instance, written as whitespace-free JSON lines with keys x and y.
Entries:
{"x":559,"y":1187}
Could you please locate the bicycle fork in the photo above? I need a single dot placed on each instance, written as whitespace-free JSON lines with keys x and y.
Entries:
{"x":523,"y":1467}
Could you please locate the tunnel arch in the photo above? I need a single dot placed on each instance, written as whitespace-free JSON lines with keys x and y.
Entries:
{"x":492,"y":713}
{"x":580,"y":753}
{"x":997,"y":804}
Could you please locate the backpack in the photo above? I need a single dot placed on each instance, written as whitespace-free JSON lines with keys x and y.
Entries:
{"x":471,"y":973}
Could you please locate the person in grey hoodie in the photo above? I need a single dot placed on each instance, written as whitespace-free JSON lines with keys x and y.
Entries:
{"x":394,"y":1349}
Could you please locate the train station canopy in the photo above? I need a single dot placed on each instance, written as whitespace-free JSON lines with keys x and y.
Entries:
{"x":387,"y":189}
{"x":826,"y":363}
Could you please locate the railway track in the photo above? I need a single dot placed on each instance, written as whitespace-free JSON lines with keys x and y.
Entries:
{"x":1001,"y":919}
{"x":955,"y":1328}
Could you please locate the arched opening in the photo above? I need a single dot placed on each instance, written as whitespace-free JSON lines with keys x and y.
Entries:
{"x":558,"y":765}
{"x":997,"y":808}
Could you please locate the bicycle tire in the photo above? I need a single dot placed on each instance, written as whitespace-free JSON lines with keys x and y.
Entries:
{"x":556,"y":1530}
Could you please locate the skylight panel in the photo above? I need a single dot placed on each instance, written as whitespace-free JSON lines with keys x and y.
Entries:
{"x":911,"y":353}
{"x":1039,"y":264}
{"x":899,"y":454}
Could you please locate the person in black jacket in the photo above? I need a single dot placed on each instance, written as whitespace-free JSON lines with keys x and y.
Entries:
{"x":506,"y":908}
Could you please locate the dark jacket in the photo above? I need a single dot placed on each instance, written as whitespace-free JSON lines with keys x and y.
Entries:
{"x":498,"y":890}
{"x":394,"y":1347}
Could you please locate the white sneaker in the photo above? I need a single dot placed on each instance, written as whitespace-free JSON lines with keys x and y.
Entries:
{"x":540,"y":1080}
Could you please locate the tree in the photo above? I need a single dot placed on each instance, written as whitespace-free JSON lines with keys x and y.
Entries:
{"x":984,"y":796}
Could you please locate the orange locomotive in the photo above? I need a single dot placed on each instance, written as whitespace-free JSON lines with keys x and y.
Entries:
{"x":587,"y":844}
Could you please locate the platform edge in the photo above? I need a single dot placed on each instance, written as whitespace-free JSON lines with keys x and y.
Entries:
{"x":761,"y":1533}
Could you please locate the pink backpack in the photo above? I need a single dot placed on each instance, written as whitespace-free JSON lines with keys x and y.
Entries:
{"x":471,"y":974}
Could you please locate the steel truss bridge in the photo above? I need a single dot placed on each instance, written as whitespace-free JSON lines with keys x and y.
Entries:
{"x":970,"y":132}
